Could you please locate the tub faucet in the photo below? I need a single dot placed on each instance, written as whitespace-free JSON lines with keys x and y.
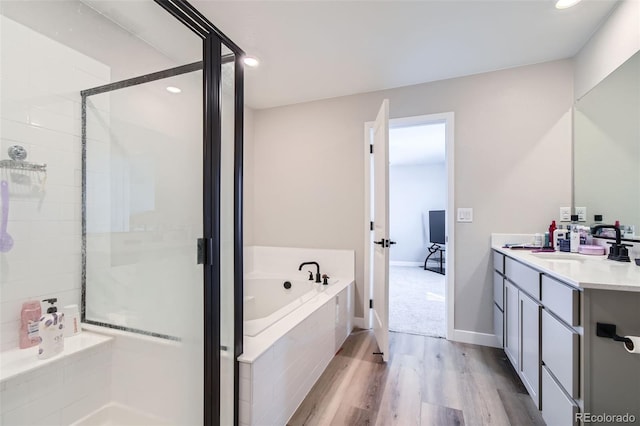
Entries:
{"x":618,"y":251}
{"x":317,"y":269}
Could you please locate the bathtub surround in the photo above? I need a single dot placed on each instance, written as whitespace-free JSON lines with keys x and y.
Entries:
{"x":281,"y":363}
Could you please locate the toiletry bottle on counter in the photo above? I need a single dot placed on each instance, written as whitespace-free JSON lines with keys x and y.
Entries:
{"x":552,"y":228}
{"x":29,"y":322}
{"x":558,"y":234}
{"x":574,"y":236}
{"x":51,"y":331}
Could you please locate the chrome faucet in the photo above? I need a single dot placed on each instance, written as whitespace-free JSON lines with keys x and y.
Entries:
{"x":317,"y":269}
{"x":618,"y":251}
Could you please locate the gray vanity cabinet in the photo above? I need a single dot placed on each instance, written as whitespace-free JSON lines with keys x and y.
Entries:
{"x":498,"y":298}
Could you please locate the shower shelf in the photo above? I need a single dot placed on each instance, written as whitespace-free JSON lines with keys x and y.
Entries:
{"x":16,"y":362}
{"x":22,"y":165}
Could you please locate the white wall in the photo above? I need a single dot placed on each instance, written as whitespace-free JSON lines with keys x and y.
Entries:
{"x":614,"y":42}
{"x":413,"y":191}
{"x":511,"y":128}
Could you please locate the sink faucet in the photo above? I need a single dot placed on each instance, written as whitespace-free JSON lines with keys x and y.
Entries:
{"x":317,"y":269}
{"x":618,"y":251}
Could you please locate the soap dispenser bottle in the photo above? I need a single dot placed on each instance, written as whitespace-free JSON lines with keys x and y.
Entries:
{"x":51,"y":331}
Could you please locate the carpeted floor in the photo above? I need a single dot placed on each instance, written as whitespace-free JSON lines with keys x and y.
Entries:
{"x":416,"y":301}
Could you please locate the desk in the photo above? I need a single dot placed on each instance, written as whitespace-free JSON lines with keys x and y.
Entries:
{"x":435,"y":248}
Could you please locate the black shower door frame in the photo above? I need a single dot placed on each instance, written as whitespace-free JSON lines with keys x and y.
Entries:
{"x":209,"y":245}
{"x":213,"y":39}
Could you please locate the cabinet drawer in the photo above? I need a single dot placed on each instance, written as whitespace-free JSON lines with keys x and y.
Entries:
{"x":498,"y":290}
{"x":498,"y":325}
{"x":560,"y":352}
{"x":498,"y":262}
{"x":557,"y":407}
{"x":562,"y":300}
{"x":526,"y":278}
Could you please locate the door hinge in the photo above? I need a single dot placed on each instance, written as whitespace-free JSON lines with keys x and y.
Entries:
{"x":371,"y":226}
{"x":370,"y":303}
{"x":371,"y":149}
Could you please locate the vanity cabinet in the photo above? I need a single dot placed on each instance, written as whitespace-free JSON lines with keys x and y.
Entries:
{"x":551,"y":304}
{"x":498,"y":298}
{"x":539,"y":315}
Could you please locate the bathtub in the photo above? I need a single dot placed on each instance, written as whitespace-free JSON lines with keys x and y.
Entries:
{"x":266,"y":300}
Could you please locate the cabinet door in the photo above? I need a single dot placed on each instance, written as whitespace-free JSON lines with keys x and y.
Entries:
{"x":498,"y":289}
{"x":511,"y":324}
{"x":530,"y":345}
{"x":498,"y":327}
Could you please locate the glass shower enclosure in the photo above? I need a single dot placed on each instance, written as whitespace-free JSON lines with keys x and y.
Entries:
{"x":149,"y":168}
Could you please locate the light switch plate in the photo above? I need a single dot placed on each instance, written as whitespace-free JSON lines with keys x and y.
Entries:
{"x":582,"y":214}
{"x":565,"y":214}
{"x":465,"y":214}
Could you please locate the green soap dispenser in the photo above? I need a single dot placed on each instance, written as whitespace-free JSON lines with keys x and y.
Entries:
{"x":51,"y":331}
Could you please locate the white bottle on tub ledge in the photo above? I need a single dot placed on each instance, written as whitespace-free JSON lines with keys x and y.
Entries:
{"x":51,"y":331}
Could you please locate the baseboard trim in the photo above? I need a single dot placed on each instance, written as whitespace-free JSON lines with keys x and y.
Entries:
{"x":358,"y":322}
{"x":483,"y":339}
{"x":403,"y":263}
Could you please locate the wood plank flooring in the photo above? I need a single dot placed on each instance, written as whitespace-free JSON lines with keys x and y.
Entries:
{"x":427,"y":382}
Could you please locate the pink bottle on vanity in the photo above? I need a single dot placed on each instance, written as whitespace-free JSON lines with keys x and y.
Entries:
{"x":29,"y":323}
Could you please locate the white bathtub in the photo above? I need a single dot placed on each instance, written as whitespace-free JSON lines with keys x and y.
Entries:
{"x":266,"y":300}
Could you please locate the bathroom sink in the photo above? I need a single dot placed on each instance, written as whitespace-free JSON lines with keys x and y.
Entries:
{"x":563,"y":257}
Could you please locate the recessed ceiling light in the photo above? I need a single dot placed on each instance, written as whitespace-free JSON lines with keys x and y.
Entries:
{"x":172,"y":89}
{"x":250,"y":61}
{"x":565,"y":4}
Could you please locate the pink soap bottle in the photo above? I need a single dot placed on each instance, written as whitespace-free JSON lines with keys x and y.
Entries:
{"x":29,"y":323}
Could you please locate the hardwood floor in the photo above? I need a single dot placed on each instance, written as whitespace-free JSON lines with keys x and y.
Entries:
{"x":427,"y":381}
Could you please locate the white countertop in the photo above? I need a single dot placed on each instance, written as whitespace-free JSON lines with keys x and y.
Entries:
{"x":582,"y":271}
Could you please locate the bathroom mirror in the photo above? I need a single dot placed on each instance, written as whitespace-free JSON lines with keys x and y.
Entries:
{"x":606,"y":174}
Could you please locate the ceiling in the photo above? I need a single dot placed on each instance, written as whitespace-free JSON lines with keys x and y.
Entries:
{"x":417,"y":145}
{"x":321,"y":49}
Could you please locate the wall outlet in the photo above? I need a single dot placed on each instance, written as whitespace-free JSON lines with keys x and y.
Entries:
{"x":582,"y":214}
{"x":565,"y":214}
{"x":465,"y":214}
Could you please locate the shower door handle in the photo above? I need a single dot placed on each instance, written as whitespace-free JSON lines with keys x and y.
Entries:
{"x":201,"y":256}
{"x":204,"y":251}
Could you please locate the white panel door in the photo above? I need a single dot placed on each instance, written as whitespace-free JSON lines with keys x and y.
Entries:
{"x":381,"y":229}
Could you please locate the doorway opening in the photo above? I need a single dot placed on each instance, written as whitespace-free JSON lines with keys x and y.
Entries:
{"x":417,"y":209}
{"x":420,"y":187}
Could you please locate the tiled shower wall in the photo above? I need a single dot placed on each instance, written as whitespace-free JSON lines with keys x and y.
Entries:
{"x":40,"y":88}
{"x":40,"y":110}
